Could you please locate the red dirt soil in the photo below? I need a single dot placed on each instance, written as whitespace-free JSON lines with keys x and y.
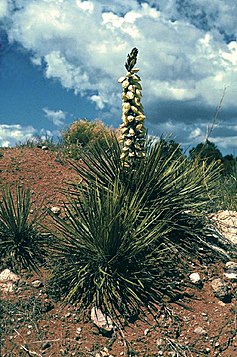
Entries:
{"x":205,"y":327}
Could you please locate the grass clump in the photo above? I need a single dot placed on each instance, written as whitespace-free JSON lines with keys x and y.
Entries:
{"x":21,"y":245}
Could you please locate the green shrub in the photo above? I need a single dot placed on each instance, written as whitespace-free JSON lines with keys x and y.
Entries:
{"x":82,"y":134}
{"x":21,"y":244}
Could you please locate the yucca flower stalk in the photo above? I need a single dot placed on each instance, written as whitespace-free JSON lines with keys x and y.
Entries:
{"x":133,"y":132}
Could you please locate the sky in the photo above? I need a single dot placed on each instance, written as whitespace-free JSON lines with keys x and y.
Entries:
{"x":60,"y":61}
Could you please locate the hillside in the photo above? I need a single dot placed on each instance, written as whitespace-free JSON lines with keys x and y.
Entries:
{"x":202,"y":322}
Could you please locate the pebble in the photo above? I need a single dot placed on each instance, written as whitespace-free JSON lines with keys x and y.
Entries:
{"x":200,"y":331}
{"x":195,"y":278}
{"x":146,"y":331}
{"x":37,"y":283}
{"x":221,"y":290}
{"x":56,"y":210}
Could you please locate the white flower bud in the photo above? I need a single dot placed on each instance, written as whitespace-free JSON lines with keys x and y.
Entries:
{"x":134,"y":109}
{"x":139,"y":126}
{"x":126,"y":107}
{"x":132,"y":88}
{"x":121,"y":79}
{"x":130,"y":95}
{"x":130,"y":118}
{"x":128,"y":142}
{"x":125,"y":83}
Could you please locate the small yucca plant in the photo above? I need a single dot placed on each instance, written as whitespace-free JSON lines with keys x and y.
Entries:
{"x":106,"y":253}
{"x":21,"y":245}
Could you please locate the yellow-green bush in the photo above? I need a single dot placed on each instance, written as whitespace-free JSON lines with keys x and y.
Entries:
{"x":82,"y":134}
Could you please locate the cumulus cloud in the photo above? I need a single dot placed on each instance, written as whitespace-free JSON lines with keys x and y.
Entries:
{"x":3,"y":8}
{"x":56,"y":116}
{"x":12,"y":134}
{"x":187,"y":51}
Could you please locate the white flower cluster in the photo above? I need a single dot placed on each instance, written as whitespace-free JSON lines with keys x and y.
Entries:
{"x":132,"y":129}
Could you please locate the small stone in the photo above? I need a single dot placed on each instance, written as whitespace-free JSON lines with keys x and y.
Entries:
{"x":44,"y":147}
{"x":231,"y":265}
{"x":231,"y":272}
{"x":101,"y":321}
{"x":37,"y":283}
{"x":200,"y":331}
{"x":78,"y":330}
{"x":68,"y":315}
{"x":7,"y":275}
{"x":56,"y":210}
{"x":146,"y":331}
{"x":7,"y":280}
{"x":231,"y":275}
{"x":28,"y":333}
{"x":221,"y":290}
{"x":159,"y":341}
{"x":195,"y":279}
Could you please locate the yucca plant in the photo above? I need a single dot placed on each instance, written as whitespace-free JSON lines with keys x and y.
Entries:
{"x":21,"y":244}
{"x":106,"y":252}
{"x":130,"y":227}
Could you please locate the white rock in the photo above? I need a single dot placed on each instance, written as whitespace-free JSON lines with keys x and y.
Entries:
{"x":7,"y":287}
{"x":195,"y":278}
{"x":200,"y":331}
{"x":56,"y":210}
{"x":78,"y":330}
{"x":221,"y":290}
{"x":7,"y":275}
{"x":231,"y":265}
{"x":146,"y":331}
{"x":231,"y":275}
{"x":100,"y":320}
{"x":37,"y":283}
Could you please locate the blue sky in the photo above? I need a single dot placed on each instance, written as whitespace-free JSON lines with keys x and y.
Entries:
{"x":60,"y":61}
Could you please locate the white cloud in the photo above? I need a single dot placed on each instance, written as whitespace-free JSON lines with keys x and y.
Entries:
{"x":84,"y":43}
{"x":184,"y":51}
{"x":56,"y":116}
{"x":3,"y":8}
{"x":12,"y":134}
